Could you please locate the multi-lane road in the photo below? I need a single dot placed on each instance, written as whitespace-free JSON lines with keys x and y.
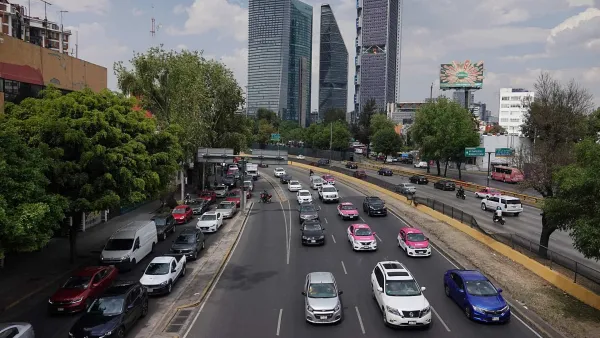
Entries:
{"x":259,"y":292}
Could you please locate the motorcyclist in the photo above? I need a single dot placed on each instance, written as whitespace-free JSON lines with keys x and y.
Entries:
{"x":311,"y":172}
{"x":461,"y":191}
{"x":264,"y":195}
{"x":498,"y":214}
{"x":187,"y":197}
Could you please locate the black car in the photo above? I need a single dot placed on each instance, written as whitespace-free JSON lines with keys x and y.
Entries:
{"x":229,"y":181}
{"x":285,"y":178}
{"x":312,"y":233}
{"x":113,"y":313}
{"x":199,"y":206}
{"x":385,"y":172}
{"x":165,"y":224}
{"x":323,"y":161}
{"x":308,"y":211}
{"x":445,"y":185}
{"x":263,"y":165}
{"x":374,"y":205}
{"x":189,"y":243}
{"x":418,"y":179}
{"x":351,"y":165}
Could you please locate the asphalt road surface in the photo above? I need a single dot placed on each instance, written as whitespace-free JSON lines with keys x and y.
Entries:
{"x":34,"y":311}
{"x":259,"y":293}
{"x":527,"y":225}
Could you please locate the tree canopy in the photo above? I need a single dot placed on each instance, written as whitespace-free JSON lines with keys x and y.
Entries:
{"x":387,"y":141}
{"x":380,"y":122}
{"x":333,"y":115}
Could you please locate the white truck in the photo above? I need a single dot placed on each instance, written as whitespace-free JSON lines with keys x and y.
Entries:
{"x":163,"y":272}
{"x":252,"y":170}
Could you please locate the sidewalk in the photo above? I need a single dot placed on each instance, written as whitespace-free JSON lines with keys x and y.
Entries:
{"x":29,"y":273}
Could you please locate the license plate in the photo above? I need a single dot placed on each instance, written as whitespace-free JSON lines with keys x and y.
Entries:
{"x":150,"y":290}
{"x":313,"y":241}
{"x":323,"y":317}
{"x":495,"y":319}
{"x":412,"y":322}
{"x":352,"y":216}
{"x":60,"y":309}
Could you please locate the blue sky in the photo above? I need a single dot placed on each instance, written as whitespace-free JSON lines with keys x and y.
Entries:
{"x":516,"y":39}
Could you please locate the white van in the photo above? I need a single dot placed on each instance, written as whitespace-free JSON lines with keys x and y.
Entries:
{"x":316,"y":182}
{"x":510,"y":205}
{"x":129,"y":245}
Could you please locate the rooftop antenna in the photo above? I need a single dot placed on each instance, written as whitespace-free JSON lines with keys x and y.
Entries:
{"x":46,"y":3}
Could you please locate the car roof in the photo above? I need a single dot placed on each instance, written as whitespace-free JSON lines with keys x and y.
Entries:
{"x":188,"y":232}
{"x":510,"y":198}
{"x":222,"y":186}
{"x":327,"y":186}
{"x":470,"y":274}
{"x":210,"y":213}
{"x":120,"y":288}
{"x":17,"y":324}
{"x":395,"y":270}
{"x":88,"y":271}
{"x":410,"y":230}
{"x":182,"y":206}
{"x":303,"y":190}
{"x":129,"y":230}
{"x":162,"y":259}
{"x":373,"y":198}
{"x":346,"y":203}
{"x":226,"y":202}
{"x":361,"y":226}
{"x":294,"y":181}
{"x":321,"y":277}
{"x":279,"y":168}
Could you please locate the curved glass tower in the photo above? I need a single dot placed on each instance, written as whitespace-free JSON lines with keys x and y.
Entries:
{"x":300,"y":64}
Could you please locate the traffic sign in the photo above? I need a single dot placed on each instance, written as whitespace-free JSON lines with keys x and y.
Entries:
{"x":504,"y":152}
{"x":474,"y":152}
{"x":275,"y":137}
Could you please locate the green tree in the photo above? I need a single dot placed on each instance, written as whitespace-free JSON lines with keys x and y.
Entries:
{"x":380,"y":122}
{"x":29,"y":215}
{"x":265,"y":129}
{"x":338,"y":134}
{"x":428,"y":131}
{"x":362,"y":129}
{"x":573,"y":207}
{"x":103,"y":153}
{"x":496,"y":129}
{"x":387,"y":142}
{"x":269,"y":116}
{"x":458,"y":134}
{"x":333,"y":115}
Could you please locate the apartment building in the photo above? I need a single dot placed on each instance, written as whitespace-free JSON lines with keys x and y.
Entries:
{"x":514,"y":104}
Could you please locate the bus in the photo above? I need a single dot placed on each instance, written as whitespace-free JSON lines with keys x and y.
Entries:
{"x":507,"y":174}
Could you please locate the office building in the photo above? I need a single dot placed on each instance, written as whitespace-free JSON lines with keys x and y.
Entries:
{"x":458,"y":96}
{"x":403,"y":112}
{"x":300,"y":64}
{"x":333,"y":64}
{"x":514,"y":104}
{"x":268,"y":55}
{"x":378,"y":31}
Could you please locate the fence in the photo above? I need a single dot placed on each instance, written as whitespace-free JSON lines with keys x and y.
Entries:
{"x":581,"y":273}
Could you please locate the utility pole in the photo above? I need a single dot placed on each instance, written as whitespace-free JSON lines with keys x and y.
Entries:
{"x":46,"y":3}
{"x":242,"y":177}
{"x":62,"y":30}
{"x":330,"y":144}
{"x":431,"y":93}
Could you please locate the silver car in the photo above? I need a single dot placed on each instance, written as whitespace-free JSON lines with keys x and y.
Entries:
{"x":406,"y":189}
{"x":322,"y":303}
{"x":227,"y":209}
{"x":16,"y":330}
{"x":221,"y":190}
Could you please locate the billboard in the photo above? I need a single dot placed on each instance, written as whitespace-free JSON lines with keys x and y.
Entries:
{"x":459,"y":75}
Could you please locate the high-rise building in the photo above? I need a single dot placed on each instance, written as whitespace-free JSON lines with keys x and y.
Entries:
{"x":378,"y":31}
{"x":268,"y":55}
{"x":333,"y":64}
{"x":459,"y":97}
{"x":514,"y":104}
{"x":300,"y":63}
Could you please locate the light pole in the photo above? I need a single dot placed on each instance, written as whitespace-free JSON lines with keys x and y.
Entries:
{"x":62,"y":30}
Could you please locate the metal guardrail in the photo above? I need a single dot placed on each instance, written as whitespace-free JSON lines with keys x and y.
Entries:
{"x":581,"y":273}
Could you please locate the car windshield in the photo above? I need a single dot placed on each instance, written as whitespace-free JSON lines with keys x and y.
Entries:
{"x":304,"y":193}
{"x":375,"y":201}
{"x":179,"y":211}
{"x":247,"y":183}
{"x":307,"y":208}
{"x":318,"y":180}
{"x":119,"y":244}
{"x":160,"y":221}
{"x":362,"y":232}
{"x":107,"y":306}
{"x":208,"y":217}
{"x":312,"y":227}
{"x":409,"y":186}
{"x":279,"y":169}
{"x":321,"y":290}
{"x":348,"y":207}
{"x":294,"y":183}
{"x":155,"y":269}
{"x":229,"y":176}
{"x":416,"y":237}
{"x":185,"y":239}
{"x":196,"y":202}
{"x":329,"y":189}
{"x":77,"y":282}
{"x":481,"y":288}
{"x":225,"y":206}
{"x":402,"y":288}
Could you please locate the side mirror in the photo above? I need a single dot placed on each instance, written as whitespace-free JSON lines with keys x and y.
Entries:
{"x":380,"y":289}
{"x":129,"y":307}
{"x":423,"y":288}
{"x":499,"y":290}
{"x":461,"y":290}
{"x":374,"y":233}
{"x":340,"y":292}
{"x":303,"y":293}
{"x":173,"y":270}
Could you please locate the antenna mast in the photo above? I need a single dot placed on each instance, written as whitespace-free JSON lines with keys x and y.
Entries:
{"x":153,"y":28}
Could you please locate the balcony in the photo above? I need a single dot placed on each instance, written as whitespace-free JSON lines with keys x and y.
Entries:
{"x":359,"y":4}
{"x":359,"y":22}
{"x":356,"y":80}
{"x":357,"y":61}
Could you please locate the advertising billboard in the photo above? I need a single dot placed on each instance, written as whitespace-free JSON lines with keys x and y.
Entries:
{"x":460,"y":75}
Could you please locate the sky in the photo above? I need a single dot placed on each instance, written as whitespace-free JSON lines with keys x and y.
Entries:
{"x":516,"y":39}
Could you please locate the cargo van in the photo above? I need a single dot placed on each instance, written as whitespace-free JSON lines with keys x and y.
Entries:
{"x":129,"y":245}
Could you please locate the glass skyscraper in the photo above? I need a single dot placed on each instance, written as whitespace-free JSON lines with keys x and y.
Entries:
{"x":300,"y":63}
{"x":333,"y":64}
{"x":268,"y":55}
{"x":377,"y":41}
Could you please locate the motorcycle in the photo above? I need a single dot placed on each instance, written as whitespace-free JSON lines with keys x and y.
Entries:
{"x":265,"y":198}
{"x":460,"y":194}
{"x":499,"y":220}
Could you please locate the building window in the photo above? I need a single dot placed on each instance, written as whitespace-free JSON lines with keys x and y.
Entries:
{"x":505,"y":106}
{"x":504,"y":120}
{"x":1,"y":85}
{"x":505,"y":98}
{"x":11,"y":90}
{"x":515,"y":120}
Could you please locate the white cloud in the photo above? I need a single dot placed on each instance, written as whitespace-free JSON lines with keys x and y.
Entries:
{"x":137,"y":12}
{"x":181,"y":47}
{"x":238,"y":63}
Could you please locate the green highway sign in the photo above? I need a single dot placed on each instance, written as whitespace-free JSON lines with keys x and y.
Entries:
{"x":474,"y":152}
{"x":275,"y":137}
{"x":504,"y":152}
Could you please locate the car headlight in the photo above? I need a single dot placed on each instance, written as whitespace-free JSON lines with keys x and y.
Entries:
{"x":477,"y":309}
{"x":77,"y":300}
{"x":392,"y":311}
{"x":304,"y":237}
{"x":107,"y":334}
{"x":321,"y":237}
{"x":125,"y":257}
{"x":505,"y":308}
{"x":337,"y":307}
{"x":71,"y":334}
{"x":309,"y":309}
{"x":371,"y":207}
{"x":426,"y":310}
{"x":50,"y":301}
{"x":164,"y":283}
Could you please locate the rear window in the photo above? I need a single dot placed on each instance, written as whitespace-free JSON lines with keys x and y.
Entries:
{"x":513,"y":201}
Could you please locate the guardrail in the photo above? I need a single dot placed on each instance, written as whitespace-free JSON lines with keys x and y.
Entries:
{"x":580,"y":273}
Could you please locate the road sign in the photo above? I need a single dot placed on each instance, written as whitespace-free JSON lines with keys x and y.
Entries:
{"x":215,"y":155}
{"x":275,"y":137}
{"x":474,"y":152}
{"x":504,"y":152}
{"x":268,"y":156}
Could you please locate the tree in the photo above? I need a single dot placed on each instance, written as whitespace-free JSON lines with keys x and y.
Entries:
{"x":339,"y":134}
{"x":361,"y":130}
{"x":380,"y":122}
{"x":459,"y":134}
{"x":103,"y":153}
{"x":555,"y":121}
{"x":333,"y":115}
{"x":428,"y":131}
{"x":29,"y":215}
{"x":387,"y":141}
{"x":269,"y":116}
{"x":265,"y":129}
{"x":496,"y":129}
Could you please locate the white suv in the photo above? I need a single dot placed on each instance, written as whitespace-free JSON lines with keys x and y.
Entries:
{"x":328,"y":193}
{"x":509,"y":204}
{"x":278,"y":172}
{"x":399,"y":296}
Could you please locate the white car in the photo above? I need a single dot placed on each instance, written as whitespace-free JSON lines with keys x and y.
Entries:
{"x":300,"y":157}
{"x":162,"y":273}
{"x":508,"y":204}
{"x":421,"y":164}
{"x":304,"y":196}
{"x":278,"y":172}
{"x":294,"y":186}
{"x":227,"y":209}
{"x":210,"y":221}
{"x":328,"y":193}
{"x":399,"y":296}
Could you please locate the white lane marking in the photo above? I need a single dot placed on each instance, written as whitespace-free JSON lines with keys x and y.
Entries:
{"x":288,"y":227}
{"x":362,"y":219}
{"x":362,"y":327}
{"x":325,"y":220}
{"x":333,"y":237}
{"x":344,"y":267}
{"x":279,"y":321}
{"x":376,"y":235}
{"x":212,"y":288}
{"x":440,"y":319}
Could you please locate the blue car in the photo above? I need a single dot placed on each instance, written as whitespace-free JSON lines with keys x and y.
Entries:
{"x":480,"y":300}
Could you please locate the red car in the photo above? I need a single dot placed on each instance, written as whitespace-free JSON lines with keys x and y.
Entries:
{"x":182,"y":214}
{"x":235,"y":196}
{"x":360,"y":174}
{"x":78,"y":292}
{"x":347,"y":210}
{"x":329,"y":179}
{"x":208,"y":195}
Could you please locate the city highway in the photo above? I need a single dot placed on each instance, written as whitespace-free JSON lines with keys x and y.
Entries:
{"x":527,"y":225}
{"x":259,"y":293}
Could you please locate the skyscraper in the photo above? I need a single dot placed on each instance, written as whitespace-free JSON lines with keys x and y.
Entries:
{"x":333,"y":64}
{"x":377,"y":40}
{"x":268,"y":55}
{"x":300,"y":64}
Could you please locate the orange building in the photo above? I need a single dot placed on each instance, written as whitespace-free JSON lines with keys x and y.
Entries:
{"x":25,"y":69}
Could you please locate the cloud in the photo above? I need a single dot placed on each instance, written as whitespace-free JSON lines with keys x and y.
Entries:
{"x":237,"y":62}
{"x":181,"y":47}
{"x":207,"y":17}
{"x":137,"y":12}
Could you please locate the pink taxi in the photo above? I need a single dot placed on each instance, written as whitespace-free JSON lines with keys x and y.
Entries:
{"x":414,"y":242}
{"x":361,"y":238}
{"x":329,"y":179}
{"x":487,"y":193}
{"x":347,"y":210}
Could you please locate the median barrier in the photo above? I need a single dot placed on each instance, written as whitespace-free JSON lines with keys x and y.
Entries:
{"x":471,"y":228}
